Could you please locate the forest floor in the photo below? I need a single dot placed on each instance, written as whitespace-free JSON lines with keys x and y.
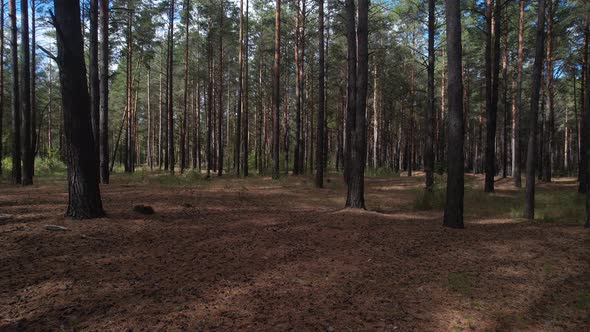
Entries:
{"x":256,"y":254}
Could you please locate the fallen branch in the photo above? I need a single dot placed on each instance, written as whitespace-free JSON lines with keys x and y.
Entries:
{"x":57,"y":228}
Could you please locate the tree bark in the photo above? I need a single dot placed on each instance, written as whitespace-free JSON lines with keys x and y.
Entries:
{"x":429,"y":119}
{"x":517,"y":105}
{"x":549,"y":136}
{"x":33,"y":96}
{"x":505,"y":105}
{"x":25,"y":101}
{"x":358,"y":127}
{"x":183,"y":134}
{"x":93,"y":78}
{"x":319,"y":176}
{"x":494,"y":23}
{"x":246,"y":128}
{"x":15,"y":100}
{"x":104,"y":92}
{"x":453,"y":216}
{"x":529,"y":210}
{"x":129,"y":94}
{"x":2,"y":81}
{"x":170,"y":87}
{"x":276,"y":92}
{"x":587,"y":125}
{"x":84,"y":200}
{"x":584,"y":140}
{"x":220,"y":94}
{"x":238,"y":145}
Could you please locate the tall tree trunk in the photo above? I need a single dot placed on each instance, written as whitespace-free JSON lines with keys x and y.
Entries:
{"x":129,"y":94}
{"x":238,"y":145}
{"x":351,"y":85}
{"x":33,"y":95}
{"x":549,"y":136}
{"x":183,"y":150}
{"x":505,"y":106}
{"x":199,"y":134}
{"x":429,"y":125}
{"x":149,"y":121}
{"x":276,"y":92}
{"x":93,"y":78}
{"x":298,"y":92}
{"x":160,"y":119}
{"x":2,"y":82}
{"x":584,"y":140}
{"x":84,"y":194}
{"x":517,"y":105}
{"x":220,"y":94}
{"x":529,"y":210}
{"x":587,"y":125}
{"x":453,"y":216}
{"x":15,"y":100}
{"x":358,"y":130}
{"x":170,"y":103}
{"x":25,"y":101}
{"x":494,"y":23}
{"x":319,"y":176}
{"x":104,"y":92}
{"x":246,"y":128}
{"x":209,"y":103}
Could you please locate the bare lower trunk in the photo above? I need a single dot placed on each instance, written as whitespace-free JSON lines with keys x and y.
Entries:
{"x":517,"y":106}
{"x":453,"y":216}
{"x":319,"y":176}
{"x":80,"y":152}
{"x":15,"y":100}
{"x":276,"y":92}
{"x":104,"y":92}
{"x":25,"y":101}
{"x":429,"y":119}
{"x":529,"y":211}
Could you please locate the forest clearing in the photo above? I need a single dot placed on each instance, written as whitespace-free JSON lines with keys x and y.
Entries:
{"x":256,"y":254}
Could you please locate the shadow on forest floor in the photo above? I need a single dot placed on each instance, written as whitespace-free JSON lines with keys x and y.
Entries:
{"x":257,"y":254}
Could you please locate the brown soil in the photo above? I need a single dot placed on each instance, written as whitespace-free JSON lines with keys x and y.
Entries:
{"x":262,"y":255}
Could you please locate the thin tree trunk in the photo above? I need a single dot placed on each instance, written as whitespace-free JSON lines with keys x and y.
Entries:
{"x":93,"y":78}
{"x":25,"y":101}
{"x":149,"y":121}
{"x":84,"y":194}
{"x":129,"y":94}
{"x":240,"y":92}
{"x":170,"y":87}
{"x":505,"y":106}
{"x":33,"y":96}
{"x":453,"y":216}
{"x":246,"y":128}
{"x":517,"y":105}
{"x":429,"y":125}
{"x":104,"y":92}
{"x":183,"y":150}
{"x":2,"y":83}
{"x":584,"y":140}
{"x":529,"y":210}
{"x":15,"y":100}
{"x":319,"y":176}
{"x":494,"y":23}
{"x":209,"y":103}
{"x":587,"y":125}
{"x":220,"y":95}
{"x":549,"y":136}
{"x":276,"y":91}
